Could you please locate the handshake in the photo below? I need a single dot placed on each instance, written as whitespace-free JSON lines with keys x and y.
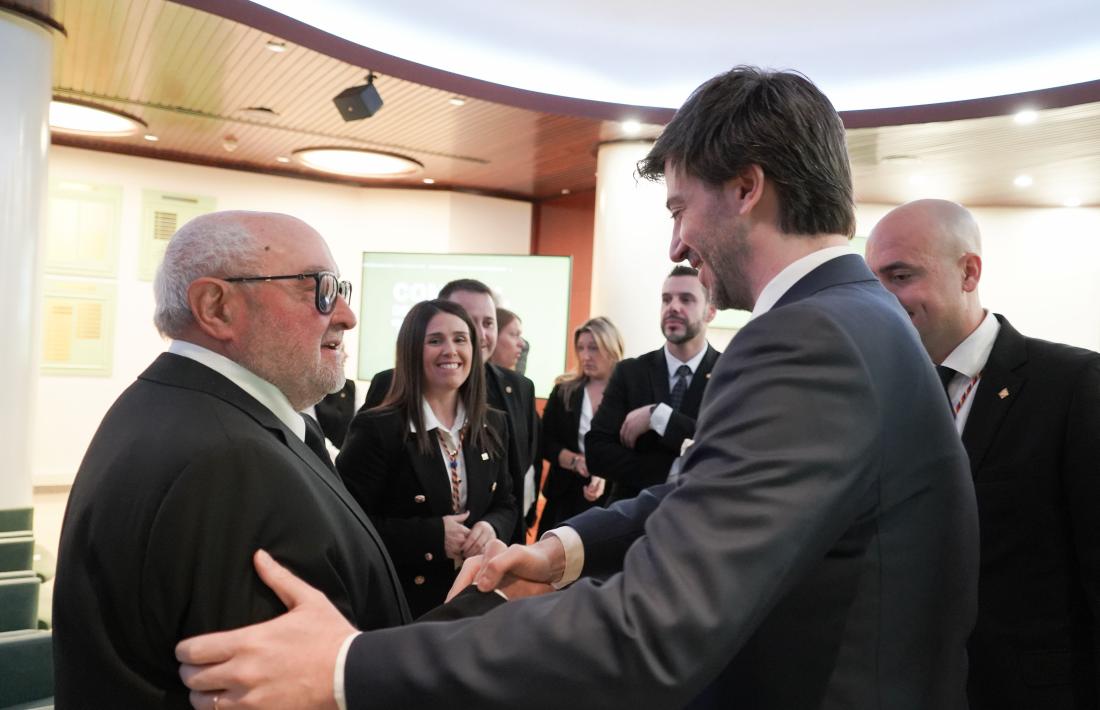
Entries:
{"x":514,"y":572}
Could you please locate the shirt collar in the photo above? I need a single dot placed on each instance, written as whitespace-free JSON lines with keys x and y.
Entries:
{"x":431,"y":422}
{"x":794,"y":271}
{"x":969,"y":356}
{"x":693,"y":363}
{"x":261,"y":390}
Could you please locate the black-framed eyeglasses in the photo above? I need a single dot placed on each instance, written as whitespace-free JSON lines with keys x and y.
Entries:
{"x":328,"y":287}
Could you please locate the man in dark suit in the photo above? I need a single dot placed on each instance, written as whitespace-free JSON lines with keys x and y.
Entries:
{"x":204,"y":459}
{"x":651,"y":402}
{"x":335,"y":412}
{"x":1029,"y":414}
{"x":818,"y":549}
{"x":505,"y":390}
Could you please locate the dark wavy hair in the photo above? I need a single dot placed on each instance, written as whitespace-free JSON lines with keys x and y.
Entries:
{"x":777,"y":120}
{"x":407,"y":390}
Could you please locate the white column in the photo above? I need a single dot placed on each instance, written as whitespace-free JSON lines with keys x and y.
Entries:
{"x":630,"y":246}
{"x":26,"y":51}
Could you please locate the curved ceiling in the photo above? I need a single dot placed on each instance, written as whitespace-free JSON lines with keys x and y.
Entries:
{"x":648,"y":53}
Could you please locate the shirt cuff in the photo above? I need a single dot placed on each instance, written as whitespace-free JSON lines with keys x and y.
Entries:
{"x":574,"y":555}
{"x":338,"y":673}
{"x":658,"y":418}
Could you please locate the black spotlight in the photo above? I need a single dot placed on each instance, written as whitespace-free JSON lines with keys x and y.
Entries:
{"x":359,"y":102}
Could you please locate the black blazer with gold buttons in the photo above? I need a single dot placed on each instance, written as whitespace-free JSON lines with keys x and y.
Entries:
{"x":406,"y":493}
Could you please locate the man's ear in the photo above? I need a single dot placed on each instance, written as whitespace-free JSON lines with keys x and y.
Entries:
{"x":709,"y":312}
{"x":971,"y":270}
{"x":746,"y":189}
{"x":215,"y":305}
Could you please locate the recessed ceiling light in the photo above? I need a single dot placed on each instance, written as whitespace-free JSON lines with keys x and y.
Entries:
{"x":276,"y":46}
{"x":565,"y":191}
{"x":1072,"y":202}
{"x":1023,"y":181}
{"x":357,"y":162}
{"x":428,"y":181}
{"x":151,"y":138}
{"x":631,"y":128}
{"x":456,"y":101}
{"x":68,"y":116}
{"x":282,"y":159}
{"x":1025,"y":117}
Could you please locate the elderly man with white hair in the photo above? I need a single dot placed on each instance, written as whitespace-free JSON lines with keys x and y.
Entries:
{"x":204,"y":459}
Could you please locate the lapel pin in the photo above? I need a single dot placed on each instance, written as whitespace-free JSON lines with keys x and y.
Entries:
{"x":484,"y":456}
{"x":708,"y":375}
{"x":508,"y":389}
{"x":420,"y":499}
{"x":1003,"y":393}
{"x":493,"y":487}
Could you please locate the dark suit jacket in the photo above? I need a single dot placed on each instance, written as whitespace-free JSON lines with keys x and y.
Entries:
{"x":335,"y":411}
{"x":818,"y":551}
{"x":634,"y":383}
{"x":515,"y":396}
{"x":186,"y":477}
{"x":1035,"y":454}
{"x":563,"y":488}
{"x":406,"y":493}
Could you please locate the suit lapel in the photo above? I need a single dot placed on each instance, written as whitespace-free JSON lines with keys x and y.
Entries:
{"x":658,"y":375}
{"x":179,"y":371}
{"x":694,"y":396}
{"x":432,"y":473}
{"x":997,"y":391}
{"x":479,"y":479}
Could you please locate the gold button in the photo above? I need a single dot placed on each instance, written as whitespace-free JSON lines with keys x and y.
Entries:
{"x":418,"y":579}
{"x":493,"y":487}
{"x":420,"y":499}
{"x":428,"y":556}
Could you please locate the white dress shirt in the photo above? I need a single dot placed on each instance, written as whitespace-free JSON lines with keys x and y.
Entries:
{"x":662,"y":413}
{"x":431,"y":423}
{"x":968,"y":360}
{"x":769,"y":296}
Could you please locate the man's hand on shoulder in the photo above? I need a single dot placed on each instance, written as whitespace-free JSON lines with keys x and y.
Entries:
{"x":287,"y":662}
{"x":636,"y":423}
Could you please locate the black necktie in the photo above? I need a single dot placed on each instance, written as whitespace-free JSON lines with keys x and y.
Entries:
{"x":679,"y":388}
{"x":946,"y":375}
{"x":315,"y":440}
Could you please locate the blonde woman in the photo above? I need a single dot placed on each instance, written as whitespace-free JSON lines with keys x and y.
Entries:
{"x":570,"y":487}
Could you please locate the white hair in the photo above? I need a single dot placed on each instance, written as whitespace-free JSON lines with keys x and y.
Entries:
{"x":215,"y":244}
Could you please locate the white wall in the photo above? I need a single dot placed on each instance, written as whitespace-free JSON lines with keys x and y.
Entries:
{"x":351,"y":219}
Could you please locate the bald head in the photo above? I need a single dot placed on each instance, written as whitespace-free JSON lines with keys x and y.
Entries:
{"x":230,"y":243}
{"x":928,"y":254}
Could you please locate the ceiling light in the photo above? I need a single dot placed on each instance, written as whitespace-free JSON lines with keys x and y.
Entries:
{"x":428,"y":181}
{"x":357,"y":162}
{"x":282,"y":159}
{"x":151,"y":138}
{"x":230,"y":143}
{"x":456,"y":101}
{"x":1072,"y":202}
{"x":1025,"y":117}
{"x":276,"y":46}
{"x":565,"y":191}
{"x":1023,"y":181}
{"x":631,"y":128}
{"x":359,"y":102}
{"x":68,"y":116}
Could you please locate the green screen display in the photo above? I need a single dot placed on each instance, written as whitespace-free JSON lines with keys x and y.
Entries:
{"x":536,"y":288}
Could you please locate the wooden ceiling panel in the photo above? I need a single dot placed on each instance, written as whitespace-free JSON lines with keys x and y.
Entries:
{"x":190,"y":75}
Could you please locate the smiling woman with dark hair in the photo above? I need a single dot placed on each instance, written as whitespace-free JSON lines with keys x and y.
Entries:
{"x":429,"y":466}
